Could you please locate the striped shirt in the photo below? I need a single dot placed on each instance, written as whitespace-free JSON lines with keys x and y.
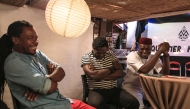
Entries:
{"x":99,"y":64}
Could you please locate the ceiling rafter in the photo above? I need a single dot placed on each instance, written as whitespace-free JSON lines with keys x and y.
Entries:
{"x":121,"y":10}
{"x":18,"y":3}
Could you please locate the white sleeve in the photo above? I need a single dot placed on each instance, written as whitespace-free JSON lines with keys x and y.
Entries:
{"x":158,"y":66}
{"x":134,"y":61}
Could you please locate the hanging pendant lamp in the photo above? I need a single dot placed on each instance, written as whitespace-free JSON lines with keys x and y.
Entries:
{"x":68,"y":18}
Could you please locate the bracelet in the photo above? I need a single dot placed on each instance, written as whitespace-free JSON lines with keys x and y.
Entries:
{"x":166,"y":55}
{"x":111,"y":69}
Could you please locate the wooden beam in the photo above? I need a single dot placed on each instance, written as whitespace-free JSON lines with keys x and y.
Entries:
{"x":109,"y":28}
{"x":102,"y":29}
{"x":40,"y":4}
{"x":18,"y":3}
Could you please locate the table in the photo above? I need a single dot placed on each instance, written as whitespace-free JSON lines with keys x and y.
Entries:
{"x":167,"y":93}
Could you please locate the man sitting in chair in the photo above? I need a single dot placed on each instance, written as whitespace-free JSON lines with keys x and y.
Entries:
{"x":32,"y":77}
{"x":102,"y":69}
{"x":142,"y":61}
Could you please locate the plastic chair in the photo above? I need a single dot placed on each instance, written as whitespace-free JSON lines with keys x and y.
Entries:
{"x":174,"y":65}
{"x":187,"y":68}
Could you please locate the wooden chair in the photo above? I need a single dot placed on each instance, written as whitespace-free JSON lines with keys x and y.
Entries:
{"x":85,"y":88}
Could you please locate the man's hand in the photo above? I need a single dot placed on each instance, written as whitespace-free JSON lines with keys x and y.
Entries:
{"x":51,"y":67}
{"x":164,"y":47}
{"x":31,"y":95}
{"x":91,"y":67}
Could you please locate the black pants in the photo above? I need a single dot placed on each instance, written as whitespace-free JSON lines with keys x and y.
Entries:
{"x":101,"y":98}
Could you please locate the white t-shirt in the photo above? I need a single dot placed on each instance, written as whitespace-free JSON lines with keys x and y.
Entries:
{"x":134,"y":63}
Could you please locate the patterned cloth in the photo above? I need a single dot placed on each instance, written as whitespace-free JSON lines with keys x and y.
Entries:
{"x":99,"y":64}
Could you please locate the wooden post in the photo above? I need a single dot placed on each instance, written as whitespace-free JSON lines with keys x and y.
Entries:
{"x":102,"y":29}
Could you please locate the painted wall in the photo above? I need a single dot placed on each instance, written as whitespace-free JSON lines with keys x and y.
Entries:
{"x":67,"y":52}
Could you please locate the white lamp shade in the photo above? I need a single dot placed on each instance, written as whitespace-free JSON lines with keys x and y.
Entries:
{"x":68,"y":18}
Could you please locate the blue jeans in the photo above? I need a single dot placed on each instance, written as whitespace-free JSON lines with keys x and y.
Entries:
{"x":100,"y":98}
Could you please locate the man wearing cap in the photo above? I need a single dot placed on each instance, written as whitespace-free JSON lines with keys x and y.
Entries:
{"x":142,"y":61}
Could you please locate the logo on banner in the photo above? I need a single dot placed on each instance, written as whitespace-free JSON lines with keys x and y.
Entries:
{"x":183,"y":34}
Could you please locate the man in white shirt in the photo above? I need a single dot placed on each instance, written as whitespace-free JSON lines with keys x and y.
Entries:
{"x":142,"y":61}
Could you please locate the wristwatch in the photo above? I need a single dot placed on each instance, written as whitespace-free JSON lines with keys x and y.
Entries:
{"x":166,"y":55}
{"x":111,"y":69}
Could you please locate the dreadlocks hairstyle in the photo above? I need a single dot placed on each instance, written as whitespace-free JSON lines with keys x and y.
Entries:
{"x":6,"y":46}
{"x":99,"y":42}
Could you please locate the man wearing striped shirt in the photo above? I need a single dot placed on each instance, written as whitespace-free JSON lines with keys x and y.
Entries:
{"x":102,"y":69}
